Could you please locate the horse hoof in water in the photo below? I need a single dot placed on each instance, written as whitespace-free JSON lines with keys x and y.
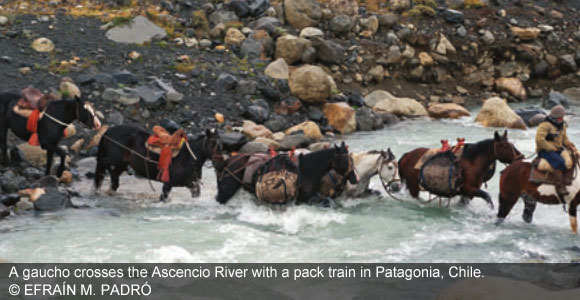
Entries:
{"x":499,"y":221}
{"x":111,"y":193}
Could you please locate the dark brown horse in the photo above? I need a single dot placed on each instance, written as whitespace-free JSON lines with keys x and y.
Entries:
{"x":475,"y":162}
{"x":515,"y":184}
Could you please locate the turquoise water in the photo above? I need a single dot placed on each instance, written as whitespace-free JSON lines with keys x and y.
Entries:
{"x":134,"y":227}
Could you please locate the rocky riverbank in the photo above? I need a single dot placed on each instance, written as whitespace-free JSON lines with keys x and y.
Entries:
{"x":291,"y":72}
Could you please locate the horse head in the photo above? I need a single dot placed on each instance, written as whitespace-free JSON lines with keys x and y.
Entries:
{"x":86,"y":114}
{"x":389,"y":171}
{"x":503,"y":150}
{"x":343,"y":163}
{"x":213,"y":148}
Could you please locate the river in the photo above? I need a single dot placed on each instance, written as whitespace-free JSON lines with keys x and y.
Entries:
{"x":134,"y":227}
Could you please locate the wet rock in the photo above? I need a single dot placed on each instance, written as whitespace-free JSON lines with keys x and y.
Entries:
{"x":496,"y":113}
{"x":277,"y":123}
{"x":556,"y":98}
{"x":526,"y":34}
{"x":340,"y":23}
{"x":310,"y":84}
{"x":383,"y":102}
{"x":367,"y":119}
{"x":32,"y":173}
{"x":125,"y":96}
{"x":153,"y":97}
{"x":257,"y":114}
{"x":453,"y":16}
{"x":567,"y":63}
{"x":513,"y":86}
{"x":253,"y":130}
{"x":302,"y":13}
{"x":447,"y":111}
{"x":240,"y":8}
{"x":52,"y":200}
{"x":290,"y":48}
{"x":277,"y":69}
{"x":11,"y":183}
{"x":234,"y":37}
{"x":138,"y":31}
{"x":43,"y":45}
{"x":32,"y":155}
{"x":254,"y":147}
{"x":223,"y":17}
{"x":309,"y":128}
{"x":328,"y":51}
{"x":529,"y":115}
{"x":225,"y":82}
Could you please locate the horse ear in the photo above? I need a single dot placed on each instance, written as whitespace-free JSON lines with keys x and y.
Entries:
{"x":505,"y":134}
{"x":496,"y":136}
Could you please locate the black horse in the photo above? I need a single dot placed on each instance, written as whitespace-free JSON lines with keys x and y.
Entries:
{"x":124,"y":145}
{"x":312,"y":167}
{"x":57,"y":116}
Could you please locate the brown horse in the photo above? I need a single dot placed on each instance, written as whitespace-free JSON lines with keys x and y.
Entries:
{"x":515,"y":183}
{"x":476,"y":161}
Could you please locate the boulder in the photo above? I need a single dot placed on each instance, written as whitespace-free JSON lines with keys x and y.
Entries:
{"x":278,"y":69}
{"x":277,"y":123}
{"x":299,"y":140}
{"x":328,"y":51}
{"x":232,"y":141}
{"x":152,"y":96}
{"x":12,"y":183}
{"x":138,"y":31}
{"x":556,"y":98}
{"x":309,"y":128}
{"x":495,"y":112}
{"x":268,"y":142}
{"x":453,"y":16}
{"x":447,"y":111}
{"x":125,"y":96}
{"x":310,"y":84}
{"x":52,"y":200}
{"x":340,"y":116}
{"x":567,"y":63}
{"x":226,"y":82}
{"x":125,"y":77}
{"x":254,"y":147}
{"x":503,"y":288}
{"x":529,"y":115}
{"x":302,"y":13}
{"x":252,"y":130}
{"x":526,"y":34}
{"x":257,"y":113}
{"x":399,"y":5}
{"x":310,"y":32}
{"x":367,"y":119}
{"x":69,"y":90}
{"x":344,"y":7}
{"x":43,"y":45}
{"x":340,"y":23}
{"x":290,"y":48}
{"x":34,"y":155}
{"x":513,"y":86}
{"x":573,"y":94}
{"x":234,"y":37}
{"x":383,"y":102}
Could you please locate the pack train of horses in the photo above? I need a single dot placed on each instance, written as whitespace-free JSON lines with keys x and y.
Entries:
{"x":295,"y":177}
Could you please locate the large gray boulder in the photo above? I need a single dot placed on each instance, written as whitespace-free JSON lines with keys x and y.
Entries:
{"x":138,"y":31}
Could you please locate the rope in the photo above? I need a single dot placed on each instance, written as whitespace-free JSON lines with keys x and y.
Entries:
{"x":56,"y":120}
{"x":130,"y":150}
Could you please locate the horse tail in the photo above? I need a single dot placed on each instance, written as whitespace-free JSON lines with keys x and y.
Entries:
{"x":101,"y":168}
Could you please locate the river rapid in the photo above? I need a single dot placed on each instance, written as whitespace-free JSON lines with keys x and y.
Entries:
{"x":134,"y":227}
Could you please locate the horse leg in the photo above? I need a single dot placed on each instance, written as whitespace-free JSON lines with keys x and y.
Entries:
{"x":4,"y":145}
{"x":573,"y":218}
{"x":100,"y":171}
{"x":165,"y":191}
{"x":115,"y":172}
{"x":227,"y":188}
{"x":530,"y":207}
{"x":485,"y":196}
{"x":464,"y":200}
{"x":194,"y":189}
{"x":506,"y":203}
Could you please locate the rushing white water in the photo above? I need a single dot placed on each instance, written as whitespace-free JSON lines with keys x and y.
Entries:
{"x":134,"y":227}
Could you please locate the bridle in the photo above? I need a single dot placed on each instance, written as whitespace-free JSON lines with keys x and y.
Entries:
{"x":512,"y":148}
{"x":215,"y":154}
{"x":91,"y":111}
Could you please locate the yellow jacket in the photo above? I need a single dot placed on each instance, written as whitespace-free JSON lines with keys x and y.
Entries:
{"x":548,"y":138}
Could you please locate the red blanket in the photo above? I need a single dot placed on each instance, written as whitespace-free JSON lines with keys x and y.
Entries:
{"x":32,"y":126}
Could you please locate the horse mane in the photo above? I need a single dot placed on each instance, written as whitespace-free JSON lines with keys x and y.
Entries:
{"x":374,"y":152}
{"x":319,"y":155}
{"x":472,"y":150}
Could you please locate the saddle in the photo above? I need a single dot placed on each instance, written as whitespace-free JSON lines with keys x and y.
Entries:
{"x":542,"y":171}
{"x":167,"y":146}
{"x":457,"y":150}
{"x":30,"y":106}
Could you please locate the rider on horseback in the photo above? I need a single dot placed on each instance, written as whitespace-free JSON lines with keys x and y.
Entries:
{"x":551,"y":141}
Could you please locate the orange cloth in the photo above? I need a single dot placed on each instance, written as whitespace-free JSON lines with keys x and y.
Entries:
{"x":163,"y":164}
{"x":32,"y":126}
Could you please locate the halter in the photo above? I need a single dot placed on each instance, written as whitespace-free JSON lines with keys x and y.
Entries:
{"x":214,"y":152}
